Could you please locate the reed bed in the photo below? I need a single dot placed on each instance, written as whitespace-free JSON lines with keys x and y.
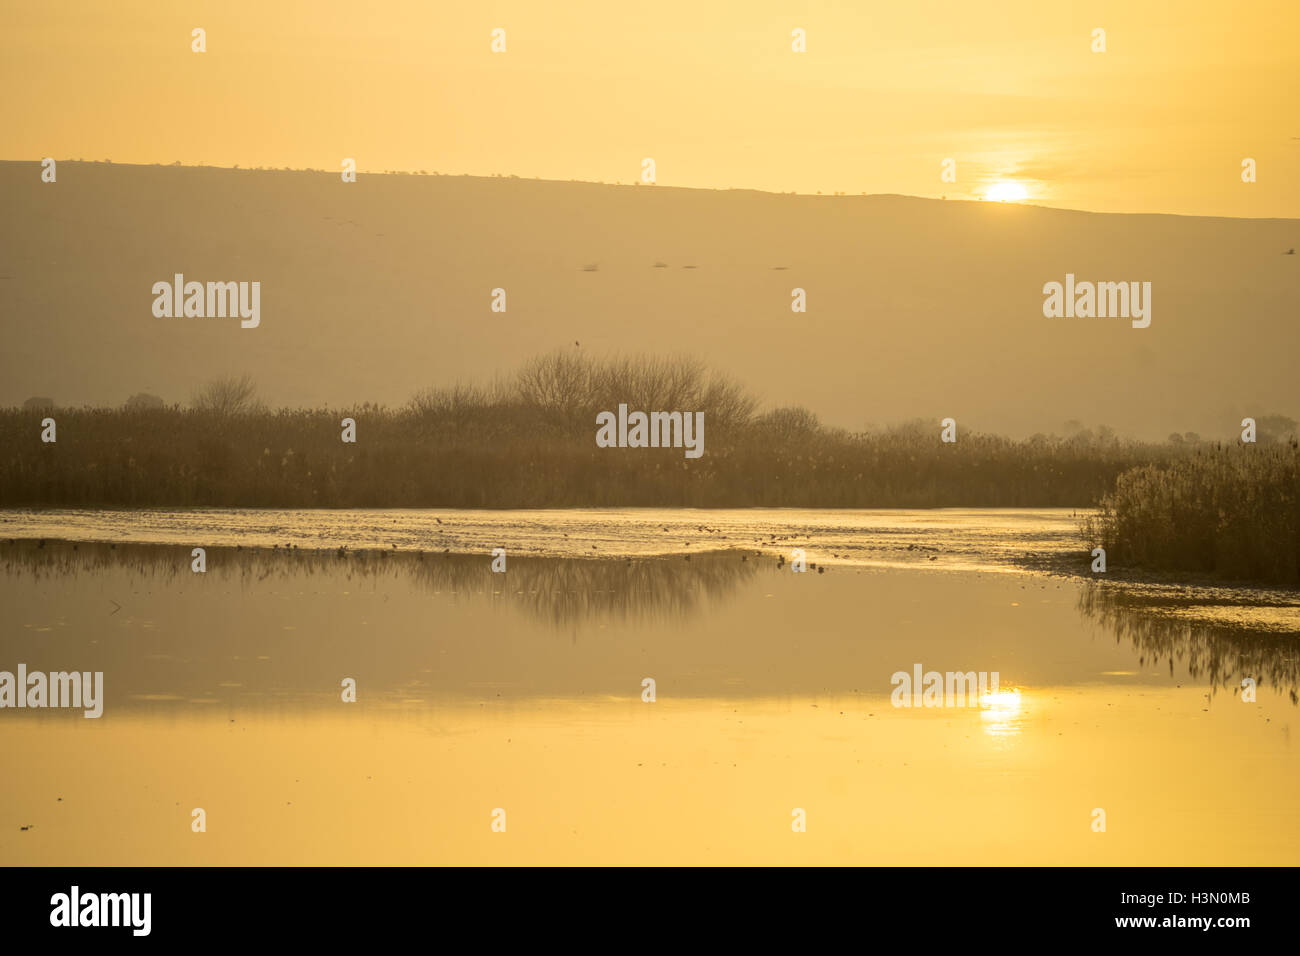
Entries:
{"x":528,"y":441}
{"x":1231,"y":511}
{"x":518,"y":456}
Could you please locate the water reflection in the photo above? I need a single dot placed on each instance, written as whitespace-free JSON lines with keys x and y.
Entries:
{"x":478,"y":690}
{"x":271,"y":628}
{"x":1188,"y":635}
{"x":559,"y":591}
{"x":1001,"y":713}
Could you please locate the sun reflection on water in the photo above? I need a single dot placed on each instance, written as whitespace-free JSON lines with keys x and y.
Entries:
{"x":1001,"y":713}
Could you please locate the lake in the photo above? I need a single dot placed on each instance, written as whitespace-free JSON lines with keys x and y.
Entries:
{"x":520,"y":696}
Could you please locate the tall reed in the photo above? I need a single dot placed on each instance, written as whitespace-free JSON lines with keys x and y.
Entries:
{"x":1227,"y":510}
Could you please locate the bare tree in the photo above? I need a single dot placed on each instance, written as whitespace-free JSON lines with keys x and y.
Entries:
{"x":574,"y":383}
{"x":791,"y":422}
{"x":560,"y":381}
{"x":229,"y":395}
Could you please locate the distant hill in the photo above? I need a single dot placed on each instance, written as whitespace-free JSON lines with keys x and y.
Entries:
{"x":373,"y":290}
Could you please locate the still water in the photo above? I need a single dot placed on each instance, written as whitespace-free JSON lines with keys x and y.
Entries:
{"x":523,"y":692}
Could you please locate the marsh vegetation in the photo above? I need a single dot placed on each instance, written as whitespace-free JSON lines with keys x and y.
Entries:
{"x":527,"y":441}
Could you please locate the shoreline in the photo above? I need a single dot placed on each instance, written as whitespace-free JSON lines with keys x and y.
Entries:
{"x":1149,"y":586}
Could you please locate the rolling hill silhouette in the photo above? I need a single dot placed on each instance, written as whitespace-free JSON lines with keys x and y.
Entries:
{"x":373,"y":290}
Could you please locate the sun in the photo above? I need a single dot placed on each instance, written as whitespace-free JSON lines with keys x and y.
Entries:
{"x":1007,"y":192}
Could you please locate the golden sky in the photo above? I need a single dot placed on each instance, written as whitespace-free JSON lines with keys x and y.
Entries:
{"x":1159,"y":122}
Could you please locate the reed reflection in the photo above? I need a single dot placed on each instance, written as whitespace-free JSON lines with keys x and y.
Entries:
{"x":265,"y":627}
{"x":558,"y":591}
{"x":1219,"y":654}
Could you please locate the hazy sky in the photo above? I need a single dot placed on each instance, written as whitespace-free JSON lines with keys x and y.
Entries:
{"x":1160,"y":122}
